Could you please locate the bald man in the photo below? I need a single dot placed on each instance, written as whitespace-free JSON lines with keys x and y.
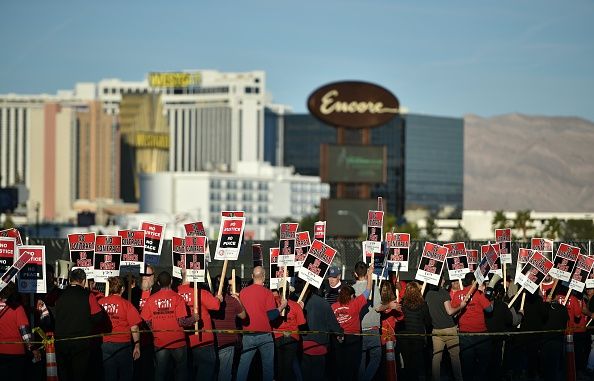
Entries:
{"x":261,"y":309}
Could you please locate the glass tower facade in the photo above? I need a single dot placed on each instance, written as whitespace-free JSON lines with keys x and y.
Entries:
{"x":425,"y":158}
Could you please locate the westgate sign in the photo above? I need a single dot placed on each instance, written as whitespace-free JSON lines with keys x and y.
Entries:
{"x":353,"y":104}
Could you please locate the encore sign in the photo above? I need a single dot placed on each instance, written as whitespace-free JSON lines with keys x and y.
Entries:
{"x":353,"y":104}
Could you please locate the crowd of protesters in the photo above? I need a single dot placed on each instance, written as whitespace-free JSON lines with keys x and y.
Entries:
{"x":160,"y":332}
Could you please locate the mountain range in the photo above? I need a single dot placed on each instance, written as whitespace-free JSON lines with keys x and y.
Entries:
{"x":514,"y":162}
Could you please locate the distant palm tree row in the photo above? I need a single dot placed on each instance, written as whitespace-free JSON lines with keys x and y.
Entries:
{"x":553,"y":228}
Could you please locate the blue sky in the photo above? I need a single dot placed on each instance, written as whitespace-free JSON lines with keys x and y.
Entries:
{"x":439,"y":57}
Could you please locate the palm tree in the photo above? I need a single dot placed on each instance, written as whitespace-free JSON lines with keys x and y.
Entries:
{"x":431,"y":230}
{"x":410,"y":228}
{"x":499,"y":220}
{"x":552,"y":228}
{"x":460,"y":234}
{"x":523,"y":222}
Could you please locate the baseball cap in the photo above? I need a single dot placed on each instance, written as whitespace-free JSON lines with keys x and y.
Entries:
{"x":333,"y":271}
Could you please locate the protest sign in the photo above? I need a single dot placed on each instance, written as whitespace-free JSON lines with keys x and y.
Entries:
{"x":488,"y":261}
{"x":12,"y":233}
{"x":371,"y":249}
{"x":17,"y":266}
{"x":230,"y":236}
{"x":457,"y":261}
{"x":431,"y":263}
{"x":178,"y":251}
{"x":82,"y":250}
{"x":195,"y":258}
{"x":316,"y":263}
{"x":534,"y":272}
{"x":154,"y":234}
{"x":583,"y":268}
{"x":257,"y":256}
{"x":320,"y":231}
{"x":496,"y":267}
{"x":31,"y":278}
{"x":277,"y":270}
{"x":543,"y":245}
{"x":108,"y":256}
{"x":523,"y":257}
{"x":380,"y":263}
{"x":132,"y":261}
{"x":398,"y":249}
{"x":564,"y":262}
{"x":473,"y":259}
{"x":7,"y":253}
{"x":503,"y":238}
{"x":302,"y":244}
{"x":197,"y":229}
{"x":232,"y":213}
{"x":375,"y":223}
{"x":286,"y":244}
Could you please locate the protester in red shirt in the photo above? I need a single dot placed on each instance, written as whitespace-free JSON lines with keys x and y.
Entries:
{"x":347,"y":311}
{"x":475,"y":351}
{"x":226,"y":318}
{"x":287,"y":344}
{"x":144,"y":367}
{"x":577,"y":324}
{"x":14,"y":326}
{"x":118,"y":352}
{"x":165,"y":313}
{"x":391,"y":311}
{"x":204,"y":357}
{"x":261,"y":309}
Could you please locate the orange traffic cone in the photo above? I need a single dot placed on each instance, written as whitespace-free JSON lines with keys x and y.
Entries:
{"x":51,"y":366}
{"x":390,"y":361}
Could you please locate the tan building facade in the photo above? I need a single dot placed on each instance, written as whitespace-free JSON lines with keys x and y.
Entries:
{"x":98,"y":154}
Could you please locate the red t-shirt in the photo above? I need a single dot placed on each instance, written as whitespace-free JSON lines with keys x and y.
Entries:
{"x":162,"y":309}
{"x":348,"y":315}
{"x":143,"y":297}
{"x":577,"y":320}
{"x":292,"y":321}
{"x":10,"y":321}
{"x":122,"y":315}
{"x":257,"y":301}
{"x":472,"y":318}
{"x":313,"y":348}
{"x":209,"y":302}
{"x":390,"y":318}
{"x":226,"y":319}
{"x":545,"y":289}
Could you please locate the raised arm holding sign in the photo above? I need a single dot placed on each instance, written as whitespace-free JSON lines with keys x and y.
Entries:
{"x":229,"y":242}
{"x":431,"y":264}
{"x":316,"y":265}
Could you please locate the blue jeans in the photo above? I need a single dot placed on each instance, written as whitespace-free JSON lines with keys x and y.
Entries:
{"x":226,"y":363}
{"x":475,"y":354}
{"x":263,"y":343}
{"x":180,"y":363}
{"x":372,"y":349}
{"x":117,"y":361}
{"x":204,"y":362}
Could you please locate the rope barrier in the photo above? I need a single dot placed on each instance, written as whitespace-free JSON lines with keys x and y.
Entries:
{"x":51,"y":340}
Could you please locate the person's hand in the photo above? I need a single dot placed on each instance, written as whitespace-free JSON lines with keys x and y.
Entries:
{"x":236,"y":297}
{"x":136,"y":352}
{"x":36,"y":355}
{"x":370,"y":270}
{"x":301,"y":304}
{"x":395,"y":306}
{"x":220,"y":297}
{"x":283,"y":305}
